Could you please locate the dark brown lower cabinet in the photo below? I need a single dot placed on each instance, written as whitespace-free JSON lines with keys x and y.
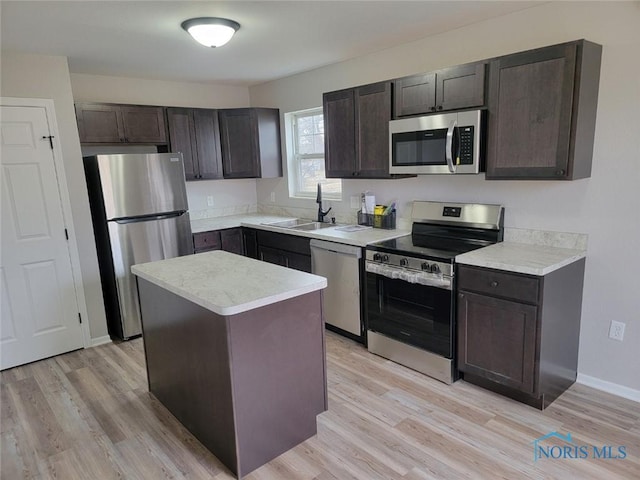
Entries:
{"x":518,"y":334}
{"x":282,"y":249}
{"x":229,"y":240}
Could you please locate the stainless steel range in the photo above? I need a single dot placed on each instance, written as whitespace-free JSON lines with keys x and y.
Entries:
{"x":410,"y":284}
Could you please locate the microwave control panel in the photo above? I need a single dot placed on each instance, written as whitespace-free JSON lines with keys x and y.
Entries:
{"x":466,"y":146}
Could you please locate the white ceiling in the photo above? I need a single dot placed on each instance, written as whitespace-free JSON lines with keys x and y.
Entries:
{"x":143,"y":39}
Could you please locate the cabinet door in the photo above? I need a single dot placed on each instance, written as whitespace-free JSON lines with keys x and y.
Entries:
{"x":497,"y":340}
{"x":143,"y":124}
{"x":372,"y":115}
{"x":339,"y":134}
{"x":207,"y":143}
{"x":460,"y":87}
{"x":272,"y":255}
{"x":530,"y":108}
{"x":232,"y":240}
{"x":239,"y":136}
{"x":415,"y":95}
{"x":182,"y":139}
{"x":250,"y":239}
{"x":99,"y":123}
{"x":206,"y":241}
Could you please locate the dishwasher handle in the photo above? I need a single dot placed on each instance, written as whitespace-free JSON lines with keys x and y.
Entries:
{"x":334,"y":247}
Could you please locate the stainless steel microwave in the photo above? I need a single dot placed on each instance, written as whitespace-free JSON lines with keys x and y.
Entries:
{"x":437,"y":144}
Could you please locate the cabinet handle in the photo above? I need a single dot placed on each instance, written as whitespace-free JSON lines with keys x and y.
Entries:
{"x":494,"y":284}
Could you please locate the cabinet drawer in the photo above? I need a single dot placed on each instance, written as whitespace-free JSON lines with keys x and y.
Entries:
{"x":500,"y":284}
{"x":206,"y":241}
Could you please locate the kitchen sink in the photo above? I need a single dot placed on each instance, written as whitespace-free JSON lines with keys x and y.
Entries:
{"x":291,"y":223}
{"x":301,"y":224}
{"x":312,"y":226}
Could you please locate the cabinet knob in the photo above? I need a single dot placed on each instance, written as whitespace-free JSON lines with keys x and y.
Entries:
{"x":461,"y":295}
{"x":439,"y":107}
{"x":433,"y":109}
{"x":560,"y":172}
{"x":494,"y":284}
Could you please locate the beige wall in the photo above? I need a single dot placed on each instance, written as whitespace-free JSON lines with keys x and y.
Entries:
{"x":604,"y":206}
{"x":229,"y":196}
{"x":102,"y":88}
{"x":39,"y":76}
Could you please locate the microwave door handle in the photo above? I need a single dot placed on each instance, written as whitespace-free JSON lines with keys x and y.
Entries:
{"x":449,"y":146}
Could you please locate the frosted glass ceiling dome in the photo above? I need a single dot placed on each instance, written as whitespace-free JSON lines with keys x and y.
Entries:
{"x":211,"y":31}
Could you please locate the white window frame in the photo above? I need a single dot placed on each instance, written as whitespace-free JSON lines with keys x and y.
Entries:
{"x":294,"y":158}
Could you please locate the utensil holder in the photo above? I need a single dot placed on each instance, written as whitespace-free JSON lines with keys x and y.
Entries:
{"x":387,"y":222}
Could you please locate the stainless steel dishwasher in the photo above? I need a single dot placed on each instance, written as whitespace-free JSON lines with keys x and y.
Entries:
{"x":340,"y":265}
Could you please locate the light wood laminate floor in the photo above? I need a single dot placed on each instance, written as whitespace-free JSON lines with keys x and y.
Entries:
{"x":88,"y":415}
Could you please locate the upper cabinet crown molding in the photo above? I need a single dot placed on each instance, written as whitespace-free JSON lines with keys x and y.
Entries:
{"x":100,"y":123}
{"x":542,"y":112}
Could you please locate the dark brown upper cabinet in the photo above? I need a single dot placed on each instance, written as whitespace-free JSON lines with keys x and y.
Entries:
{"x":542,"y":112}
{"x":195,"y":133}
{"x":109,"y":123}
{"x":450,"y":88}
{"x":357,"y":131}
{"x":250,"y":140}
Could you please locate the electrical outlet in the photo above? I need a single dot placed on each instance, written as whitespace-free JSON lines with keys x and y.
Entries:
{"x":355,"y":201}
{"x":272,"y":197}
{"x":210,"y":201}
{"x":616,"y":330}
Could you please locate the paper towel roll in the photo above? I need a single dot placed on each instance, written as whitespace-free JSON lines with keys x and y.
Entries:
{"x":370,"y":202}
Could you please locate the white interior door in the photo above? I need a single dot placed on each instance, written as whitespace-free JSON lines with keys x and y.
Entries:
{"x":39,"y":305}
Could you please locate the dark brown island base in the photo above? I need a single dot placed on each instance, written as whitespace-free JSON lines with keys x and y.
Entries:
{"x":235,"y":350}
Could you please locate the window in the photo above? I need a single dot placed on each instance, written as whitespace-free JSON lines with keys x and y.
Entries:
{"x":305,"y":140}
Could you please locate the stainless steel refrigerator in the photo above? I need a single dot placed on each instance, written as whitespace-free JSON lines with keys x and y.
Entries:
{"x":140,"y":214}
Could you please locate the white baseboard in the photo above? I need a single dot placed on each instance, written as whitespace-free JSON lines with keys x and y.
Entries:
{"x":609,"y":387}
{"x":100,"y":341}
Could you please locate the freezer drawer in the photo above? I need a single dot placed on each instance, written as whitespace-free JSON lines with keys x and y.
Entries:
{"x":141,"y":241}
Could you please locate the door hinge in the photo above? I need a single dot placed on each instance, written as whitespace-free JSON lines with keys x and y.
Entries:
{"x":50,"y":138}
{"x":66,"y":234}
{"x":79,"y":317}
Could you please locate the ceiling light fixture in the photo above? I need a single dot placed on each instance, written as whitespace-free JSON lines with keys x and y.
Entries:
{"x":211,"y":31}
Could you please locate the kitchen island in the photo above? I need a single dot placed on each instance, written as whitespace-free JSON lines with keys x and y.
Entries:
{"x":235,"y":350}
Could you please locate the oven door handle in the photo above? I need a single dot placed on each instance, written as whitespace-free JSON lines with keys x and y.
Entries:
{"x":451,"y":131}
{"x":430,"y":280}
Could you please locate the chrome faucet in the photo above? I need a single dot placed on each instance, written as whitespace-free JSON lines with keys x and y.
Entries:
{"x":321,"y":214}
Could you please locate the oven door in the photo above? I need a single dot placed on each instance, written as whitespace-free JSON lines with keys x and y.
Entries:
{"x":412,"y":313}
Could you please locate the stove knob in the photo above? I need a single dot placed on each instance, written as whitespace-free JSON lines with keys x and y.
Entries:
{"x":435,"y":268}
{"x":385,"y":258}
{"x":404,"y":262}
{"x":376,"y":257}
{"x":425,"y":266}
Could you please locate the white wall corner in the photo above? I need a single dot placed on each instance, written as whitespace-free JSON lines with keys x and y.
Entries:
{"x":609,"y":387}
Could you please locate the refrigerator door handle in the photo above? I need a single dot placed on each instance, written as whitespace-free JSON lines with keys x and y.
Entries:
{"x":146,"y":218}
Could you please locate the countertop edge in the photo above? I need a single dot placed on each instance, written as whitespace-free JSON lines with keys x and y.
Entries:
{"x":477,"y":261}
{"x":329,"y":233}
{"x":234,"y":310}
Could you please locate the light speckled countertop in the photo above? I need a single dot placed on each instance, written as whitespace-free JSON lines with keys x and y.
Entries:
{"x":521,"y":258}
{"x":331,"y":234}
{"x":228,"y":284}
